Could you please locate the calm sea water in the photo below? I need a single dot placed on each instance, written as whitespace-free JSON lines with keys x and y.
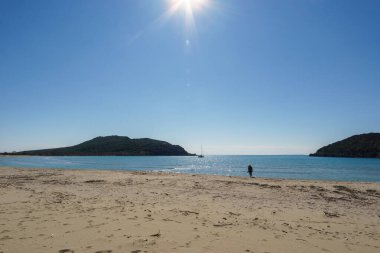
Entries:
{"x":290,"y":167}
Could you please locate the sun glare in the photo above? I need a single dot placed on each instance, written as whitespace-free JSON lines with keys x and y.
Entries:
{"x":188,"y":7}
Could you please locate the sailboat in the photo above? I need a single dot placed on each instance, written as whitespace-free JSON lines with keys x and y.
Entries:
{"x":201,"y":155}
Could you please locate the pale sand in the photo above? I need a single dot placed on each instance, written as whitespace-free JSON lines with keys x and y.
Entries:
{"x":106,"y":211}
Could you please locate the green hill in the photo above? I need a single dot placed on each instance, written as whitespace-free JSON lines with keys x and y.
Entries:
{"x":363,"y":145}
{"x":113,"y":146}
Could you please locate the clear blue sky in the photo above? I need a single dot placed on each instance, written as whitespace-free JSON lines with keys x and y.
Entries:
{"x":250,"y":77}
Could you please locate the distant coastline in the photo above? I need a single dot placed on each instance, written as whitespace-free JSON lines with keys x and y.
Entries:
{"x":357,"y":146}
{"x":111,"y":146}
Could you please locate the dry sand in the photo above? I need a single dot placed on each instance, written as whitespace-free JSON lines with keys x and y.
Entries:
{"x":50,"y":210}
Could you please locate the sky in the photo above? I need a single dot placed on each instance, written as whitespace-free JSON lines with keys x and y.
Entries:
{"x":236,"y":76}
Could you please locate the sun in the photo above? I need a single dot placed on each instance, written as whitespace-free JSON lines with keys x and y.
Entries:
{"x":188,"y":7}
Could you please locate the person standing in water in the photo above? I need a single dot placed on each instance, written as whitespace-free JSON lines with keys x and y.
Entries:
{"x":250,"y":170}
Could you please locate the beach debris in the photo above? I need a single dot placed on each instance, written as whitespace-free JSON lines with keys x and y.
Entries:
{"x":222,"y":224}
{"x":94,"y":181}
{"x":186,"y":213}
{"x":237,"y":214}
{"x":156,"y":234}
{"x":373,"y":193}
{"x":66,"y":251}
{"x":317,"y":188}
{"x":344,"y":188}
{"x":331,"y":215}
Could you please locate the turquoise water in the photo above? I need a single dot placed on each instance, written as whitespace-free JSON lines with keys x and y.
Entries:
{"x":290,"y":167}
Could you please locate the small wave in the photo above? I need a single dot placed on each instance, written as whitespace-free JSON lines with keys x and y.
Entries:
{"x":165,"y":170}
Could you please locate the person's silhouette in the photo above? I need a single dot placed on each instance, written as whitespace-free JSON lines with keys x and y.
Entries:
{"x":250,"y":170}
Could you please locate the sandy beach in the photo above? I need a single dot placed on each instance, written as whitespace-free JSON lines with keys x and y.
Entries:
{"x":51,"y":210}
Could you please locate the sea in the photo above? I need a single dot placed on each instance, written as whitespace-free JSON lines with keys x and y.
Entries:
{"x":264,"y":166}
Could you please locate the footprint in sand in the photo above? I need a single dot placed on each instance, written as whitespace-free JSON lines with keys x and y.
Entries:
{"x":104,"y":251}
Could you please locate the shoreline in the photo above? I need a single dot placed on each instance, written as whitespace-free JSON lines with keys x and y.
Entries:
{"x":50,"y":210}
{"x":143,"y":172}
{"x":210,"y":176}
{"x":278,"y":167}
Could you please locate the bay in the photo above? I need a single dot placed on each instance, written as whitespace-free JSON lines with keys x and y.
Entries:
{"x":270,"y":166}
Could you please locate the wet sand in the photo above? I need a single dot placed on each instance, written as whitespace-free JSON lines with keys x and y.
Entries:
{"x":50,"y":210}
